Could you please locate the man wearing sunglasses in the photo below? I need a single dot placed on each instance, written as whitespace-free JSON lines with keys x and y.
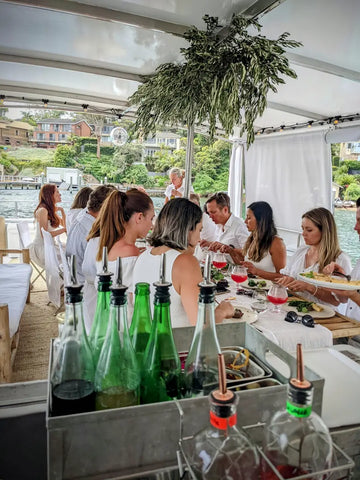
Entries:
{"x":231,"y":230}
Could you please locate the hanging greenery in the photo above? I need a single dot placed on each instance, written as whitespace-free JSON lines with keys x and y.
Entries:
{"x":223,"y":80}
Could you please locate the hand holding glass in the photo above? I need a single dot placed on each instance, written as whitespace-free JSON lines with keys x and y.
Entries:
{"x":238,"y":274}
{"x":277,"y":295}
{"x":219,"y":260}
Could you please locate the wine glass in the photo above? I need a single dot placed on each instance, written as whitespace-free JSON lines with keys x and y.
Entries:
{"x":238,"y":274}
{"x":277,"y":295}
{"x":219,"y":261}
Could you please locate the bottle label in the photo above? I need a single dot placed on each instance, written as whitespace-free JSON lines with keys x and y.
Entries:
{"x":296,"y":411}
{"x":222,"y":423}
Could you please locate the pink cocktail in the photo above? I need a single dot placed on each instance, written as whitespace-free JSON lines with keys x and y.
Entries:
{"x":238,"y":278}
{"x":219,"y":260}
{"x":219,"y":265}
{"x":277,"y":296}
{"x":238,"y":274}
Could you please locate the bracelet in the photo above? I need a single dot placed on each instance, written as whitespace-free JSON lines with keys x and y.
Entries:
{"x":316,"y":289}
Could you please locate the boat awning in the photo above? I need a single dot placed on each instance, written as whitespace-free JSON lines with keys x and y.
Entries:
{"x":80,"y":53}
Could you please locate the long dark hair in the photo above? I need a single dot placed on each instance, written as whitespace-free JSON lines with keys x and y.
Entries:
{"x":46,"y":200}
{"x":115,"y":212}
{"x":81,"y":198}
{"x":260,"y":240}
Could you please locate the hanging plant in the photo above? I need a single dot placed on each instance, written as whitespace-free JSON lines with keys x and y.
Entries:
{"x":221,"y":80}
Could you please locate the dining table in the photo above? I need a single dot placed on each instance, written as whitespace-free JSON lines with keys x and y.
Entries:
{"x":329,"y":324}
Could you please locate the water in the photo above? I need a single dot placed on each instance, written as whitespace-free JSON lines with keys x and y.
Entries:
{"x":28,"y":199}
{"x":22,"y":203}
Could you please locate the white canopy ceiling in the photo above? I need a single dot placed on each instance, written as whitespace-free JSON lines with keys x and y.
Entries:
{"x":84,"y":53}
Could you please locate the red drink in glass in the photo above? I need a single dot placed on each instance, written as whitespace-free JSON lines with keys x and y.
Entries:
{"x":238,"y":278}
{"x":276,"y":300}
{"x":219,"y":265}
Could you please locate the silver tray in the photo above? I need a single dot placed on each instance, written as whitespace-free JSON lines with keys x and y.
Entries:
{"x":253,"y":371}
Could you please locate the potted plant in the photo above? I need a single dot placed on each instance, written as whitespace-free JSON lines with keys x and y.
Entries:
{"x":223,"y":79}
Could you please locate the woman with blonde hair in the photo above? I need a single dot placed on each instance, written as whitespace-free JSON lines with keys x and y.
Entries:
{"x":123,"y":218}
{"x":46,"y":217}
{"x":264,"y":253}
{"x":322,"y":247}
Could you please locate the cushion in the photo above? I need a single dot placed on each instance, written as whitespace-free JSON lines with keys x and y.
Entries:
{"x":14,"y":288}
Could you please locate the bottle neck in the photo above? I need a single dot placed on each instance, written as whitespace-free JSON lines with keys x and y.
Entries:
{"x":118,"y":315}
{"x":162,"y":319}
{"x":299,"y":401}
{"x":74,"y":316}
{"x":223,"y":414}
{"x":142,"y":314}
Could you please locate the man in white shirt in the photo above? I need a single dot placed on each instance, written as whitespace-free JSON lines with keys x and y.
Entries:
{"x":79,"y":230}
{"x":231,"y":230}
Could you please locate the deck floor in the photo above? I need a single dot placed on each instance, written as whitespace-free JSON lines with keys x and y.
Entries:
{"x":38,"y":325}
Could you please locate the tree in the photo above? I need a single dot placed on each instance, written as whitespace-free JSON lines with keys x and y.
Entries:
{"x":218,"y":79}
{"x":136,"y":174}
{"x":28,"y":118}
{"x":345,"y":179}
{"x":352,"y":192}
{"x":126,"y":155}
{"x":64,"y":156}
{"x":203,"y":183}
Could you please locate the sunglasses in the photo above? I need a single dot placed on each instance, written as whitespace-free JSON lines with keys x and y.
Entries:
{"x":293,"y":317}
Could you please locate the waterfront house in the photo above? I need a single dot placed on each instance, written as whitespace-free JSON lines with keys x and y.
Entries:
{"x":51,"y":132}
{"x":15,"y":133}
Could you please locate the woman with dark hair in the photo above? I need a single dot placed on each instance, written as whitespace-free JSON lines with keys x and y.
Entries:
{"x":79,"y":203}
{"x":46,"y":217}
{"x":176,"y":234}
{"x":123,"y":218}
{"x":264,"y":253}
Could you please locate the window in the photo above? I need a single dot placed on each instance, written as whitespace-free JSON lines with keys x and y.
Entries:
{"x":56,"y":127}
{"x":52,"y":137}
{"x":62,"y":137}
{"x":46,"y":127}
{"x":151,"y":141}
{"x":171,"y":141}
{"x":17,"y":133}
{"x":66,"y":127}
{"x":40,"y":136}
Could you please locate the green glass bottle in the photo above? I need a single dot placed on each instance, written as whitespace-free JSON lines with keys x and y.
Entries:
{"x":201,"y":366}
{"x":160,"y":379}
{"x":72,"y":372}
{"x":117,"y":378}
{"x":140,"y":327}
{"x":98,"y":330}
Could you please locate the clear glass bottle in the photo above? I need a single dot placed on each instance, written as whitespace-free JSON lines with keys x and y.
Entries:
{"x":72,"y":373}
{"x":160,"y":379}
{"x":297,"y":441}
{"x":98,"y":329}
{"x":201,"y":366}
{"x":140,"y":327}
{"x":117,"y":377}
{"x":223,"y":451}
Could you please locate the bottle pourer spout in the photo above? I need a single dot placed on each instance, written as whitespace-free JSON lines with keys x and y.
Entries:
{"x":300,"y":381}
{"x":118,"y":273}
{"x":222,"y":395}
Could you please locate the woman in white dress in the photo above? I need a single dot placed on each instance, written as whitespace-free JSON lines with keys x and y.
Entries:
{"x":79,"y":203}
{"x":322,"y":248}
{"x":47,"y":217}
{"x":264,"y":253}
{"x":176,"y":233}
{"x":123,"y":218}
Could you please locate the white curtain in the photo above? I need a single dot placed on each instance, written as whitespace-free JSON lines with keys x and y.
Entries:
{"x":235,"y":177}
{"x":292,"y":172}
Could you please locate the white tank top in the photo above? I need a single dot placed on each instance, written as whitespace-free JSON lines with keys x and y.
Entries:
{"x":265,"y":263}
{"x":147,"y":269}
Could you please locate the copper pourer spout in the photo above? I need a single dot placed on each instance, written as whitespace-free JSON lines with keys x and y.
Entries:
{"x":300,"y":381}
{"x":300,"y":363}
{"x":222,"y":373}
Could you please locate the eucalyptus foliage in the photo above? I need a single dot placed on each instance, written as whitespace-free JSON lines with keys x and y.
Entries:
{"x":222,"y":80}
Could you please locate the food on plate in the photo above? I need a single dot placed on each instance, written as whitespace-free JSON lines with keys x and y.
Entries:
{"x":328,"y":278}
{"x":222,"y":285}
{"x":257,"y":283}
{"x":238,"y":313}
{"x":304,"y":307}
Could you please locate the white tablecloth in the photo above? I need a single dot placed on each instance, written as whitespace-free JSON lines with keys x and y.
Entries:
{"x":275,"y":328}
{"x":14,"y":287}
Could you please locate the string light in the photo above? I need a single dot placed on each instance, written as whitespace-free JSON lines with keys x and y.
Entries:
{"x":336,"y":121}
{"x":2,"y":98}
{"x":310,"y":123}
{"x":85,"y":107}
{"x":45,"y":102}
{"x":282,"y":128}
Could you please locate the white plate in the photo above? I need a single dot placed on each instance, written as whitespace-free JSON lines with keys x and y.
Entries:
{"x":248,"y":317}
{"x":327,"y":312}
{"x":333,"y":285}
